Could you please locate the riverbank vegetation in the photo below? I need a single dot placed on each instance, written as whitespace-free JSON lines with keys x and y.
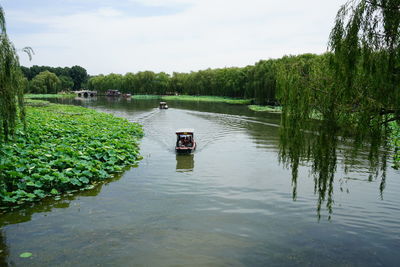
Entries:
{"x":64,"y":148}
{"x":59,"y":95}
{"x":259,"y":108}
{"x":354,"y":89}
{"x":146,"y":97}
{"x":11,"y":84}
{"x":49,"y":80}
{"x":252,"y":82}
{"x":218,"y":99}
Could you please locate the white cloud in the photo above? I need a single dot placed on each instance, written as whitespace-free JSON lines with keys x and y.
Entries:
{"x":206,"y":34}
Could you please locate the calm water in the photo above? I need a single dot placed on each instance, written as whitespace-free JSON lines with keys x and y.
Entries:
{"x":230,"y":203}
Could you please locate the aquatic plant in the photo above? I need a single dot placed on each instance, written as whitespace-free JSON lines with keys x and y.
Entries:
{"x":265,"y":108}
{"x":64,"y":148}
{"x":59,"y":95}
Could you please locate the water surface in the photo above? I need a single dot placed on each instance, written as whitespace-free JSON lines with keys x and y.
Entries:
{"x":231,"y":203}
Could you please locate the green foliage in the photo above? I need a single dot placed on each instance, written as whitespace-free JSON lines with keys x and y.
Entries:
{"x":253,"y":82}
{"x":64,"y":148}
{"x":73,"y":78}
{"x":26,"y":255}
{"x":365,"y":42}
{"x":45,"y":83}
{"x":36,"y":102}
{"x":208,"y":99}
{"x":79,"y":77}
{"x":396,"y":144}
{"x":11,"y":84}
{"x":352,"y":91}
{"x":265,"y":108}
{"x":59,"y":95}
{"x":146,"y":97}
{"x":67,"y":83}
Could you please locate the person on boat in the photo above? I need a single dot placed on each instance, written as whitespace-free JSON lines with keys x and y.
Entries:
{"x":189,"y":142}
{"x":180,"y":143}
{"x":185,"y":141}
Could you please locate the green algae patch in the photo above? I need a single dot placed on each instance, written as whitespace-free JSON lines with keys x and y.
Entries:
{"x":64,"y":148}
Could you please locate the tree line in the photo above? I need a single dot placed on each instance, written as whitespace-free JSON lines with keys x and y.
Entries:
{"x":256,"y":82}
{"x":50,"y":80}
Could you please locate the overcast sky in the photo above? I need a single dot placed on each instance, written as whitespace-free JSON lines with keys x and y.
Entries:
{"x":106,"y":36}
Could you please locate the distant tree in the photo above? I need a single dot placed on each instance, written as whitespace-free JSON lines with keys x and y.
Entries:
{"x":79,"y":76}
{"x":161,"y":83}
{"x":45,"y":83}
{"x":66,"y":83}
{"x":129,"y":83}
{"x":27,"y":72}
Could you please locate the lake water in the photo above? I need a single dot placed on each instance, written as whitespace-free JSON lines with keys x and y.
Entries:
{"x":231,"y":203}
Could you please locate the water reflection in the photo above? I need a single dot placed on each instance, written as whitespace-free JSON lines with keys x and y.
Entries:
{"x":320,"y":145}
{"x":86,"y":99}
{"x":238,"y":201}
{"x":45,"y":206}
{"x":184,"y":163}
{"x":3,"y":249}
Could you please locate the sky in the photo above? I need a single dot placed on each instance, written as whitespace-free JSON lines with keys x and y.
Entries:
{"x":117,"y":36}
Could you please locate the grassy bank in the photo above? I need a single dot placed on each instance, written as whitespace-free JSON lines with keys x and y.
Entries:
{"x":64,"y":148}
{"x":48,"y":95}
{"x":265,"y":108}
{"x":144,"y":97}
{"x":219,"y":99}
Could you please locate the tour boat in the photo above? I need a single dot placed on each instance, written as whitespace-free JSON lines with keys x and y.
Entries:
{"x":113,"y":93}
{"x":185,"y":142}
{"x":163,"y":105}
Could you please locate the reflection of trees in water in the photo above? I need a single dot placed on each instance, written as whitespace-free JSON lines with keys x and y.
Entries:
{"x":3,"y":249}
{"x":184,"y":162}
{"x":320,"y":145}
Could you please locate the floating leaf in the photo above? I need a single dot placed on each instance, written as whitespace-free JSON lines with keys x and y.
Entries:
{"x":26,"y":255}
{"x":54,"y":191}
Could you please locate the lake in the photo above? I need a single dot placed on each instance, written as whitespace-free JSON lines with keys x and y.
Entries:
{"x":230,"y":203}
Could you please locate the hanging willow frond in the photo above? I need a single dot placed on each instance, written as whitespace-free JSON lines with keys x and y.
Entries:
{"x":10,"y":84}
{"x":29,"y":51}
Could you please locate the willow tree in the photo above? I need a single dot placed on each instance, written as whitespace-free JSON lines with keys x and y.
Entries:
{"x":365,"y":42}
{"x":353,"y":90}
{"x":10,"y":85}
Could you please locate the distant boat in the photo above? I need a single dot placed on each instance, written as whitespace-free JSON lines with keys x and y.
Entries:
{"x":163,"y":105}
{"x":113,"y":93}
{"x":126,"y":95}
{"x":185,"y":142}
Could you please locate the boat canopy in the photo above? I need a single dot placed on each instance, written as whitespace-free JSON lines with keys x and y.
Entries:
{"x":185,"y":131}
